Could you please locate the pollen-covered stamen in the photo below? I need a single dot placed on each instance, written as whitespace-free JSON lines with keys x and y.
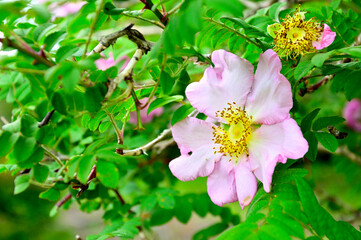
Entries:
{"x":233,"y":140}
{"x":294,"y":36}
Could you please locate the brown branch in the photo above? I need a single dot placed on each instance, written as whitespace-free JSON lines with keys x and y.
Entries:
{"x":46,"y":119}
{"x":133,"y":35}
{"x":64,"y":200}
{"x":40,"y":57}
{"x":315,"y":86}
{"x":148,"y":4}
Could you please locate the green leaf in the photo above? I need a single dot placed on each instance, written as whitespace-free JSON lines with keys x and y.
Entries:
{"x":353,"y":51}
{"x":28,"y":125}
{"x":7,"y":141}
{"x":270,"y":231}
{"x":242,"y":231}
{"x":65,"y":51}
{"x":181,"y":113}
{"x":320,"y":58}
{"x":201,"y":204}
{"x":40,"y":173}
{"x":51,"y":194}
{"x":166,"y":201}
{"x":84,"y":168}
{"x":327,"y":140}
{"x":166,"y":82}
{"x":110,"y":9}
{"x":71,"y":76}
{"x":21,"y":183}
{"x":306,"y":122}
{"x":107,"y":173}
{"x":324,"y":122}
{"x":183,"y":209}
{"x":352,"y":84}
{"x":234,"y":7}
{"x":159,"y":102}
{"x":94,"y":97}
{"x":210,"y":231}
{"x":148,"y":203}
{"x":312,"y":145}
{"x":302,"y":69}
{"x":13,"y":127}
{"x":288,"y":224}
{"x":160,"y":217}
{"x":23,"y":148}
{"x":58,"y":102}
{"x":274,"y":10}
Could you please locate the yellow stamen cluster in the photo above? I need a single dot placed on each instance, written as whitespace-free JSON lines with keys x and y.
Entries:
{"x":233,"y":141}
{"x":294,"y":36}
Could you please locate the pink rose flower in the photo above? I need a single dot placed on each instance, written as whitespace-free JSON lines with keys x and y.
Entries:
{"x":104,"y":64}
{"x":66,"y":8}
{"x":327,"y":37}
{"x":144,"y":117}
{"x":254,"y":130}
{"x":352,"y":114}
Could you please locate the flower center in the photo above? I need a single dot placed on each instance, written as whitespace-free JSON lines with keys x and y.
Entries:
{"x":232,"y":138}
{"x":294,"y":36}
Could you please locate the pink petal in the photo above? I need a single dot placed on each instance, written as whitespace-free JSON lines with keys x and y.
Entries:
{"x":66,"y":9}
{"x":352,"y":114}
{"x":270,"y":99}
{"x":326,"y":39}
{"x":192,"y":133}
{"x":229,"y":81}
{"x":189,"y":167}
{"x":270,"y":144}
{"x":246,"y":184}
{"x":144,"y":117}
{"x":221,"y":185}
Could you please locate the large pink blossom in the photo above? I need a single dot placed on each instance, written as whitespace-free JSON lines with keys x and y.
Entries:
{"x":327,"y":37}
{"x":352,"y":114}
{"x":105,"y":63}
{"x":65,"y":9}
{"x":144,"y":117}
{"x":254,"y":130}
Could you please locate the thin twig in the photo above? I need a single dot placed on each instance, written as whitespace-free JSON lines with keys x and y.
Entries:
{"x":24,"y":70}
{"x":92,"y":27}
{"x":64,"y":200}
{"x":115,"y":126}
{"x":343,"y":151}
{"x":315,"y":86}
{"x":143,"y":19}
{"x":142,"y":150}
{"x":52,"y":155}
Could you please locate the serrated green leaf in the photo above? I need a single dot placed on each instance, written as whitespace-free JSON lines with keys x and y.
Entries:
{"x":148,"y":203}
{"x":65,"y":51}
{"x":324,"y":122}
{"x":274,"y":10}
{"x":166,"y":201}
{"x":159,"y":102}
{"x":21,"y":183}
{"x":28,"y":125}
{"x":270,"y":231}
{"x":166,"y":82}
{"x":210,"y":231}
{"x":242,"y":231}
{"x":161,"y":216}
{"x":201,"y":204}
{"x":59,"y":103}
{"x":183,"y":209}
{"x":327,"y":140}
{"x":291,"y":226}
{"x":312,"y":145}
{"x":23,"y":148}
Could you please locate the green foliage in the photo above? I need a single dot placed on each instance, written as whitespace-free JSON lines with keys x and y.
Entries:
{"x":67,"y":131}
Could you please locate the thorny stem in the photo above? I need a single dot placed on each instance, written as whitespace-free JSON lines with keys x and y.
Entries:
{"x":52,"y":155}
{"x":149,"y":5}
{"x":315,"y":86}
{"x":46,"y":119}
{"x":27,"y":50}
{"x":92,"y":27}
{"x":234,"y":31}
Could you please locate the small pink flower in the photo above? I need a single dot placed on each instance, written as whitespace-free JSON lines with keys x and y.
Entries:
{"x":254,"y":132}
{"x":104,"y":64}
{"x":327,"y":38}
{"x":352,"y":114}
{"x":145,"y":118}
{"x":66,"y":8}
